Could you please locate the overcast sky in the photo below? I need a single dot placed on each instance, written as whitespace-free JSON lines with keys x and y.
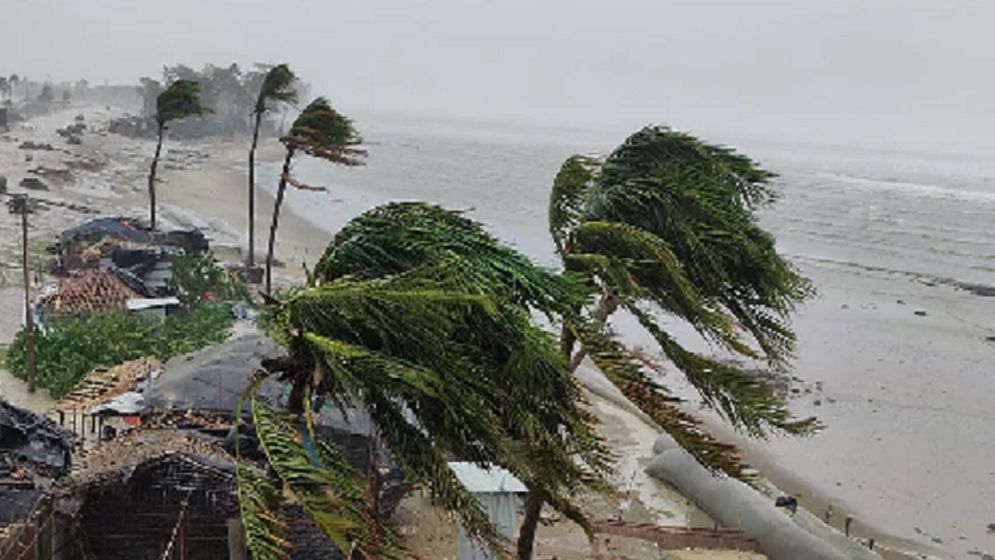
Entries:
{"x":908,"y":72}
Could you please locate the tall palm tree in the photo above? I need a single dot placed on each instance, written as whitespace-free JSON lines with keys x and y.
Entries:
{"x":12,"y":81}
{"x":181,"y":99}
{"x":423,"y":320}
{"x":664,"y":226}
{"x":320,"y":132}
{"x":278,"y":86}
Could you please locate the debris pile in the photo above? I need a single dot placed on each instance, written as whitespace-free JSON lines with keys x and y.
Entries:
{"x":29,"y":145}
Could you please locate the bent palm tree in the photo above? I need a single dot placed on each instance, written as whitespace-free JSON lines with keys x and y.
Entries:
{"x":321,"y":132}
{"x":425,"y":324}
{"x":181,"y":99}
{"x":665,"y":226}
{"x":277,"y":87}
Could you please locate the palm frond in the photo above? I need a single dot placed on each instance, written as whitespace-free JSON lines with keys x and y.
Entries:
{"x":323,"y":132}
{"x":635,"y":265}
{"x":566,"y":201}
{"x":264,"y":527}
{"x":326,"y":487}
{"x":400,"y":237}
{"x":181,"y":99}
{"x":746,"y":401}
{"x":278,"y":86}
{"x":629,"y":373}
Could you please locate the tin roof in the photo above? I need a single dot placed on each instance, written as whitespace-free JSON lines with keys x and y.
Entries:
{"x":490,"y":480}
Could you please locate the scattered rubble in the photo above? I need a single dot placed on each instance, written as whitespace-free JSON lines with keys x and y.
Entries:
{"x":49,"y":172}
{"x":132,"y":126}
{"x":33,"y":183}
{"x":29,"y":145}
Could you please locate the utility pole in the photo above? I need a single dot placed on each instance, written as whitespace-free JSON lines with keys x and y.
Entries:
{"x":19,"y":204}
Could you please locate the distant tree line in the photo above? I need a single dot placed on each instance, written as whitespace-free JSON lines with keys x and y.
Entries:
{"x":229,"y":93}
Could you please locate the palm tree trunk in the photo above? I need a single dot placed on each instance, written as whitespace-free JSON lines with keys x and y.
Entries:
{"x":250,"y":260}
{"x":276,"y":218}
{"x":527,"y":534}
{"x":155,"y":164}
{"x":533,"y":502}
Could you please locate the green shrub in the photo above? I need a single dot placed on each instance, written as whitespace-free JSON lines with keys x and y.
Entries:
{"x":71,"y":348}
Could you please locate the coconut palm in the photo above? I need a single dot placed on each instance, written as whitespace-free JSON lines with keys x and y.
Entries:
{"x":181,"y":99}
{"x":277,"y":86}
{"x":664,"y":227}
{"x":321,"y":132}
{"x":423,"y":320}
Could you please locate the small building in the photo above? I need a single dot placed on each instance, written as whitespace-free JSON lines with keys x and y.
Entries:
{"x":113,"y":397}
{"x":86,"y":292}
{"x":500,"y":494}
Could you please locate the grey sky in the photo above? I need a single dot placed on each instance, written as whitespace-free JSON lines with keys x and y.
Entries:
{"x":907,"y":72}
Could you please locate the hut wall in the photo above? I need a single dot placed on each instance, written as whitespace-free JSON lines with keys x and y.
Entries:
{"x":135,"y":521}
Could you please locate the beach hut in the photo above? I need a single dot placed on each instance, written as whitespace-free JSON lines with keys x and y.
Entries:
{"x":499,"y":492}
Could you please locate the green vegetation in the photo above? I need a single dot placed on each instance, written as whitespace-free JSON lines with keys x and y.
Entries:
{"x":427,"y":325}
{"x":198,"y":278}
{"x":68,"y":349}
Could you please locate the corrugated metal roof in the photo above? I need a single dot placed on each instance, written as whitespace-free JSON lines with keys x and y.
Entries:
{"x":482,"y":480}
{"x":148,"y":303}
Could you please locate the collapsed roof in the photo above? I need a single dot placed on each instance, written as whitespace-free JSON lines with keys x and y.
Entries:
{"x":91,"y":291}
{"x":33,"y":442}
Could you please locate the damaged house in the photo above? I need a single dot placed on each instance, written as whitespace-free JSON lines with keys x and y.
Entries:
{"x":162,"y":483}
{"x":122,"y":244}
{"x":34,"y":452}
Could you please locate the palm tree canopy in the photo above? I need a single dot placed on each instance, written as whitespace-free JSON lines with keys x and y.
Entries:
{"x":180,"y":99}
{"x":665,"y":224}
{"x":277,"y":86}
{"x":396,"y":238}
{"x":400,"y":322}
{"x":323,"y":132}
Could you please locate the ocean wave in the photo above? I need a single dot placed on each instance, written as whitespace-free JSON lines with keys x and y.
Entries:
{"x":925,"y":190}
{"x":978,"y":289}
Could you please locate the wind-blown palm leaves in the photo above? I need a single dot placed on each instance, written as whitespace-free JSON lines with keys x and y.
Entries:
{"x":444,"y":357}
{"x":277,"y":87}
{"x":321,"y":132}
{"x":181,"y":99}
{"x":665,"y":225}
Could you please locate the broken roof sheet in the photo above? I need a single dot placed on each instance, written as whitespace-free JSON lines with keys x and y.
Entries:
{"x":30,"y":440}
{"x":481,"y":480}
{"x":102,"y":385}
{"x":150,"y":303}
